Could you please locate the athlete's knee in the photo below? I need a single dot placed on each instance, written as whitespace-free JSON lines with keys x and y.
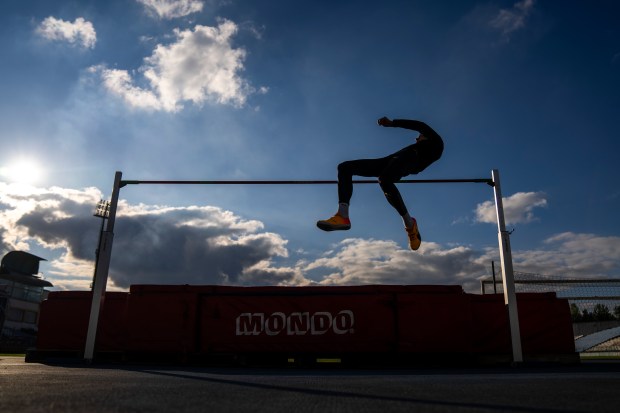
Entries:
{"x":387,"y":181}
{"x":344,"y":168}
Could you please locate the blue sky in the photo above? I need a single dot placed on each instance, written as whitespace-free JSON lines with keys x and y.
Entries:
{"x":171,"y":89}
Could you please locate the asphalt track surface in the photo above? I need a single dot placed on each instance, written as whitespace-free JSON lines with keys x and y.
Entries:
{"x":35,"y":387}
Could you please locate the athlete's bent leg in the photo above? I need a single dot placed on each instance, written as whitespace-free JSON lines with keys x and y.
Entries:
{"x":393,"y":195}
{"x":360,"y":167}
{"x":392,"y":173}
{"x":396,"y":169}
{"x":346,"y":170}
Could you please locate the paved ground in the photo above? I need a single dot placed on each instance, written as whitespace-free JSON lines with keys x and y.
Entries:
{"x":34,"y":387}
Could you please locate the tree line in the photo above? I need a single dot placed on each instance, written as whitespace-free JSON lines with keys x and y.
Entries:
{"x":600,"y":312}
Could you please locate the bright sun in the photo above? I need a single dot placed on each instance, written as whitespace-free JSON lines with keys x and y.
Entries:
{"x":22,"y":171}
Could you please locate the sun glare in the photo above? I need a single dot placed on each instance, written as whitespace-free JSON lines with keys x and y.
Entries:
{"x":23,"y":171}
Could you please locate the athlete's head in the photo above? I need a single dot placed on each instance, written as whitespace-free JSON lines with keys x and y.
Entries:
{"x":421,"y":138}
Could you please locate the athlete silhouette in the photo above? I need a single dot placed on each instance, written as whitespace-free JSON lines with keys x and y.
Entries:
{"x":412,"y":159}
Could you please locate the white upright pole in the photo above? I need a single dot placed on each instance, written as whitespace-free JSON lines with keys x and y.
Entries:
{"x":510,"y":297}
{"x":101,"y":277}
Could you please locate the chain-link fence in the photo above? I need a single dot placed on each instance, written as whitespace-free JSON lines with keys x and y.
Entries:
{"x":594,"y":304}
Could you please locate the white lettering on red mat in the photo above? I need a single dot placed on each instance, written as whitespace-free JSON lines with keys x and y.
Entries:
{"x":295,"y":324}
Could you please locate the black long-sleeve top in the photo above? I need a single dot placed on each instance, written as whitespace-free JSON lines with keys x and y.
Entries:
{"x":431,"y":148}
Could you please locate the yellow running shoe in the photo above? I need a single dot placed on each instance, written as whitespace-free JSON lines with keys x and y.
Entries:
{"x":335,"y":223}
{"x":415,"y":239}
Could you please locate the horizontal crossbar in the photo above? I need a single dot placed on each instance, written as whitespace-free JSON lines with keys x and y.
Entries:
{"x":302,"y":182}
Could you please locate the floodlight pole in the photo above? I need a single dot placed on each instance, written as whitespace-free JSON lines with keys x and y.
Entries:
{"x":101,"y":275}
{"x":510,"y":297}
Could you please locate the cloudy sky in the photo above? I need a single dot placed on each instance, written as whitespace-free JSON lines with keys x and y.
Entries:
{"x":229,"y":89}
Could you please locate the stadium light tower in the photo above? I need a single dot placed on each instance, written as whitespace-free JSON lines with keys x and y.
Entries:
{"x":101,"y":211}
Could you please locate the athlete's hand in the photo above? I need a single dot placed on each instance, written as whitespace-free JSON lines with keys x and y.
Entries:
{"x":384,"y":122}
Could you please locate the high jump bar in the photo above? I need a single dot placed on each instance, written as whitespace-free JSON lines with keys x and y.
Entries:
{"x":300,"y":182}
{"x":107,"y":238}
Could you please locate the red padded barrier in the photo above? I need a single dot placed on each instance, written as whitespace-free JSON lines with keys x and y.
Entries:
{"x":546,"y":324}
{"x":162,"y":319}
{"x":490,"y":330}
{"x":434,"y":323}
{"x":63,"y":321}
{"x":245,"y":319}
{"x":203,"y":320}
{"x":298,"y":323}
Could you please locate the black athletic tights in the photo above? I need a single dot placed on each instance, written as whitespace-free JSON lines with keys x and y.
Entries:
{"x":389,"y":170}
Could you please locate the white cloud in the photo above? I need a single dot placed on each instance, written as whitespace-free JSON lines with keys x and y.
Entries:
{"x":80,"y":32}
{"x":73,"y":273}
{"x":360,"y":261}
{"x":200,"y":66}
{"x":508,"y":21}
{"x":152,"y":244}
{"x":568,"y":255}
{"x":170,"y":9}
{"x":120,"y":83}
{"x":207,"y":245}
{"x":17,"y":201}
{"x":518,"y":208}
{"x":577,"y":255}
